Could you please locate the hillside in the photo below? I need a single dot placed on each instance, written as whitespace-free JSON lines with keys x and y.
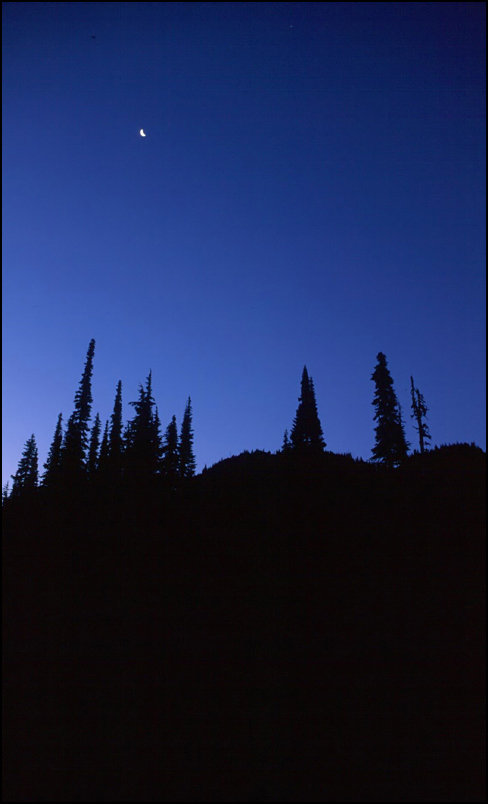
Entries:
{"x":274,"y":630}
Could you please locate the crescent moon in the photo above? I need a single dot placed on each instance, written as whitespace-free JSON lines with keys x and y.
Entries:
{"x":141,"y":132}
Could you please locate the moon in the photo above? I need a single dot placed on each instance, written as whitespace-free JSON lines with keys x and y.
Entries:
{"x":141,"y":132}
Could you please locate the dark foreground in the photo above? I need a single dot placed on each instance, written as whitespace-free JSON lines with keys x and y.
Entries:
{"x":271,"y":632}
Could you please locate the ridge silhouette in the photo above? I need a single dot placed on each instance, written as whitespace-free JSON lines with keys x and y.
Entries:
{"x":289,"y":626}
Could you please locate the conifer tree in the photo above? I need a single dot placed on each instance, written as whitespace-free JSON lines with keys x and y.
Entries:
{"x":135,"y":431}
{"x":187,"y":463}
{"x":307,"y":431}
{"x":404,"y":445}
{"x":103,"y":465}
{"x":154,"y":445}
{"x":52,"y":466}
{"x":5,"y":493}
{"x":26,"y":478}
{"x":115,"y":437}
{"x":286,"y":446}
{"x":73,"y":456}
{"x":157,"y":440}
{"x":390,"y":444}
{"x":142,"y":445}
{"x":93,"y":457}
{"x":419,"y":414}
{"x":170,"y":460}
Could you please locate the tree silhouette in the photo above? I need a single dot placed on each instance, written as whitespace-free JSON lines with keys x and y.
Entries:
{"x":419,"y":413}
{"x":286,"y":446}
{"x":93,"y":456}
{"x":404,"y":445}
{"x":26,"y":476}
{"x":155,"y":447}
{"x":103,"y":465}
{"x":53,"y":463}
{"x":73,"y":455}
{"x":115,"y":437}
{"x":170,"y":460}
{"x":390,"y":445}
{"x":187,"y":461}
{"x":5,"y":493}
{"x":157,"y":439}
{"x":306,"y":431}
{"x":142,"y":443}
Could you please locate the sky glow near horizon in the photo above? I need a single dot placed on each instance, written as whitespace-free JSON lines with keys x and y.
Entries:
{"x":312,"y":192}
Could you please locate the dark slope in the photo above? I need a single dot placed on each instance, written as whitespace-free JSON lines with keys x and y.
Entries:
{"x":277,"y":629}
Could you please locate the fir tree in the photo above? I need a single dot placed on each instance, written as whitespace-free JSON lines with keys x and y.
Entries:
{"x":52,"y":466}
{"x":390,"y":444}
{"x":157,"y":439}
{"x":170,"y":460}
{"x":419,"y":414}
{"x":26,"y":478}
{"x":135,"y":431}
{"x":306,"y":431}
{"x":73,"y":456}
{"x":286,"y":446}
{"x":93,"y":456}
{"x":187,"y":463}
{"x":103,"y":464}
{"x":5,"y":493}
{"x":404,"y":445}
{"x":115,"y":437}
{"x":154,"y":445}
{"x":142,"y":444}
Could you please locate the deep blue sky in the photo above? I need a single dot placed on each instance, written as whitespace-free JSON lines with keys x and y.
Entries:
{"x":311,"y":190}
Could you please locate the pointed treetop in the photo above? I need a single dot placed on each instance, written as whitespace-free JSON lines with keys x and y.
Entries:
{"x":115,"y":438}
{"x":76,"y":437}
{"x":391,"y":446}
{"x":170,"y":459}
{"x":307,"y":430}
{"x":419,"y":414}
{"x":53,"y":462}
{"x":26,"y":476}
{"x":187,"y":463}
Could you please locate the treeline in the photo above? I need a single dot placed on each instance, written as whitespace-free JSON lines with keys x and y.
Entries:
{"x":391,"y":446}
{"x":82,"y":456}
{"x":254,"y":632}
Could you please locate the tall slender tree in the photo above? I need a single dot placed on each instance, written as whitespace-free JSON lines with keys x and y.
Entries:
{"x":103,"y":465}
{"x":142,"y":446}
{"x":115,"y":437}
{"x":419,"y":414}
{"x":306,"y":432}
{"x":93,"y":456}
{"x":154,"y":440}
{"x":170,"y":460}
{"x":26,"y":477}
{"x":5,"y":493}
{"x":390,"y":445}
{"x":157,"y":438}
{"x":404,"y":445}
{"x":74,"y":453}
{"x":136,"y":431}
{"x":52,"y":466}
{"x":187,"y":463}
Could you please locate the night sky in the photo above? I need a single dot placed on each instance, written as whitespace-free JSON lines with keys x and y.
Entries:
{"x":311,"y":190}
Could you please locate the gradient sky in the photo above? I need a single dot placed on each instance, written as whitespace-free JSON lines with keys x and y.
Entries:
{"x":311,"y":190}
